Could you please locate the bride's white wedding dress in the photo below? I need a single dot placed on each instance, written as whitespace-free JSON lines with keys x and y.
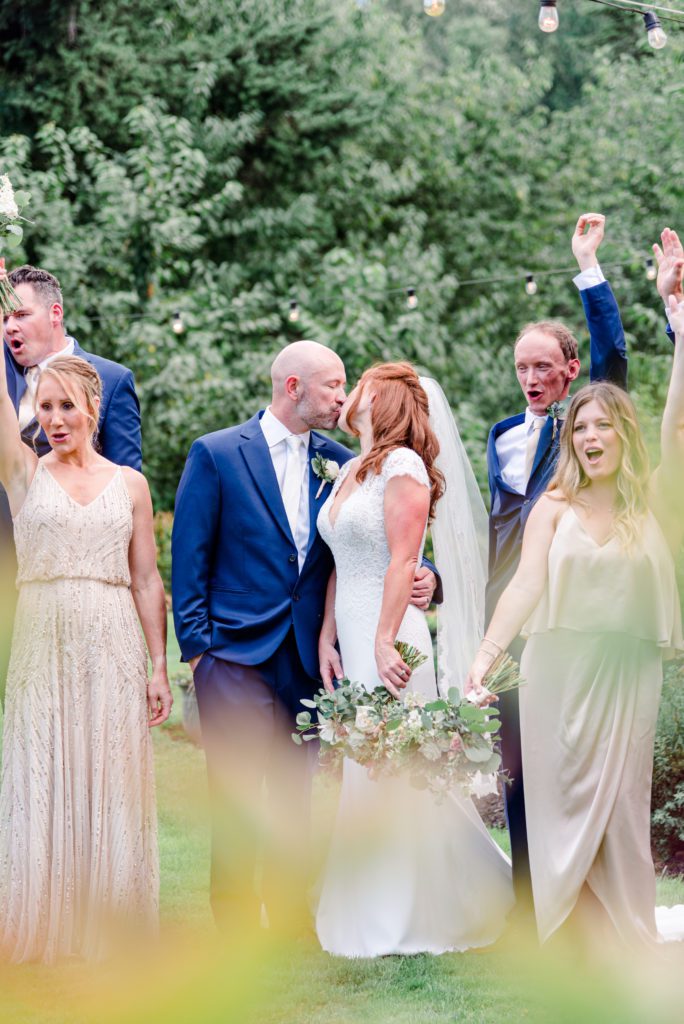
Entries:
{"x":405,"y":874}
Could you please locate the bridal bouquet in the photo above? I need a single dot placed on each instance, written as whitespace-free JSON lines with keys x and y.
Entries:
{"x":11,"y":234}
{"x":439,"y":743}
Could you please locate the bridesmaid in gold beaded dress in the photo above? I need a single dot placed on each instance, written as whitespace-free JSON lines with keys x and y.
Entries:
{"x":596,"y":596}
{"x":78,"y":840}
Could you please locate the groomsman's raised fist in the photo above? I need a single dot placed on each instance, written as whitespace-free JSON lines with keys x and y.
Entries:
{"x":588,"y":235}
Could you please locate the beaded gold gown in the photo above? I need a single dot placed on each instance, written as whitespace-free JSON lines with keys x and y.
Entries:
{"x":78,"y":845}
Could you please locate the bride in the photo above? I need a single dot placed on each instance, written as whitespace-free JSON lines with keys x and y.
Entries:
{"x":405,"y":874}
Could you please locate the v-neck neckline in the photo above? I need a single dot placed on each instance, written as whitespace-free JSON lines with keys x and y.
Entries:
{"x":71,"y":498}
{"x":333,"y":522}
{"x":585,"y":529}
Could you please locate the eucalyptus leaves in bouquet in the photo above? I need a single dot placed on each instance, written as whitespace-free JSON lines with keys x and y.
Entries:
{"x":438,"y":744}
{"x":11,"y":235}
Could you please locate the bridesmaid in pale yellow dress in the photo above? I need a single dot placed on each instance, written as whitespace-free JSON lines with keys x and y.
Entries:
{"x":78,"y":843}
{"x":596,"y":596}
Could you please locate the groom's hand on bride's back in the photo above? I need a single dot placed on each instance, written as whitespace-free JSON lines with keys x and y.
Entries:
{"x":330,"y":665}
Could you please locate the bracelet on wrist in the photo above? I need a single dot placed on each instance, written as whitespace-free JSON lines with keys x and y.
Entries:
{"x":492,"y":645}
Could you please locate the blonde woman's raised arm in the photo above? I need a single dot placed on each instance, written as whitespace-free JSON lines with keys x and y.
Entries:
{"x":667,"y":485}
{"x":523,"y":593}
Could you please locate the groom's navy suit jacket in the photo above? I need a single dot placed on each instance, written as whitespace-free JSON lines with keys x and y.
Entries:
{"x":237,"y":588}
{"x":119,"y":425}
{"x":509,"y":509}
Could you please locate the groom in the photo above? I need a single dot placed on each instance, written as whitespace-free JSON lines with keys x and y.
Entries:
{"x":249,"y":580}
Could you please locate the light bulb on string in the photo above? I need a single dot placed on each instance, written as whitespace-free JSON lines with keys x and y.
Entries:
{"x":651,"y":270}
{"x":411,"y":298}
{"x":434,"y":8}
{"x":530,"y":284}
{"x":548,"y":15}
{"x":177,"y":325}
{"x":654,"y":30}
{"x":293,"y":315}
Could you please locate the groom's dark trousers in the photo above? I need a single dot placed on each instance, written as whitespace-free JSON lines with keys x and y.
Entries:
{"x":507,"y":519}
{"x":260,"y":786}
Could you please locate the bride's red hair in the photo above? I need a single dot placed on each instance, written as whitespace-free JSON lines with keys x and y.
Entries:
{"x":399,"y":419}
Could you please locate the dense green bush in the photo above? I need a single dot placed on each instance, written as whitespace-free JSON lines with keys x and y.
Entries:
{"x":667,"y":822}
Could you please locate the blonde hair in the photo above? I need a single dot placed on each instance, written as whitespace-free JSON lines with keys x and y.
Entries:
{"x":81,"y":382}
{"x":633,"y":473}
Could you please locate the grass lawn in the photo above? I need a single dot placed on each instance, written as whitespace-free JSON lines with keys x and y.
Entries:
{"x":189,"y":977}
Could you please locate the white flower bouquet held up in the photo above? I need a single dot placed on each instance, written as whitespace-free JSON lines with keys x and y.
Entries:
{"x":11,"y":234}
{"x":438,"y":743}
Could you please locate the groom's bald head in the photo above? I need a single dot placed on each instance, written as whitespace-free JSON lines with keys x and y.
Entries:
{"x":308,"y":386}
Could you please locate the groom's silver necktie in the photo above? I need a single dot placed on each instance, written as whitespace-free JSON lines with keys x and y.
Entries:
{"x":26,"y":413}
{"x":292,"y":484}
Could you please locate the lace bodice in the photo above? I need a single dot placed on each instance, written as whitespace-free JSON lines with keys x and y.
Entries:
{"x":358,"y":540}
{"x":57,"y":538}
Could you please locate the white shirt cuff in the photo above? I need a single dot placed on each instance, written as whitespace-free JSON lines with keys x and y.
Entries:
{"x":667,"y":313}
{"x":589,"y":278}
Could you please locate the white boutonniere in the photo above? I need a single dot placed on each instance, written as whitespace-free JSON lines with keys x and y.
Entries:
{"x":327,"y":471}
{"x":557,"y":411}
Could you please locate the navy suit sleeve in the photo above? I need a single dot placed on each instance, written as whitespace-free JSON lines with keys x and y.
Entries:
{"x":195,"y":528}
{"x":670,"y":332}
{"x":438,"y":595}
{"x":120,"y":437}
{"x":608,"y":348}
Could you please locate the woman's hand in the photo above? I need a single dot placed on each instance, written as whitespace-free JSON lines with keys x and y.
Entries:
{"x":475,"y":689}
{"x":159,"y":697}
{"x":675,"y":315}
{"x":330,"y":664}
{"x":393,"y":671}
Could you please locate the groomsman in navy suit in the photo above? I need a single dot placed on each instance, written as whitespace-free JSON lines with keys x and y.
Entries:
{"x":522,"y":454}
{"x":34,"y":335}
{"x":249,"y":579}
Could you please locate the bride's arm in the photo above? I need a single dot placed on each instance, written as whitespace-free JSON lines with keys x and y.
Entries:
{"x":328,"y":656}
{"x":667,"y":482}
{"x":407,"y":504}
{"x":523,"y":593}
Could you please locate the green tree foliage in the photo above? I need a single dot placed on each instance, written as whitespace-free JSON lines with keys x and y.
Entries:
{"x":220,"y":158}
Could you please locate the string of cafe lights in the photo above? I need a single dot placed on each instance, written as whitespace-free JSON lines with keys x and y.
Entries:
{"x":549,"y":21}
{"x":528,"y":280}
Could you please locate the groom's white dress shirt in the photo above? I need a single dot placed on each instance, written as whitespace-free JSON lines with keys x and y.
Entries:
{"x":276,"y":435}
{"x":32,"y":374}
{"x":511,"y":446}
